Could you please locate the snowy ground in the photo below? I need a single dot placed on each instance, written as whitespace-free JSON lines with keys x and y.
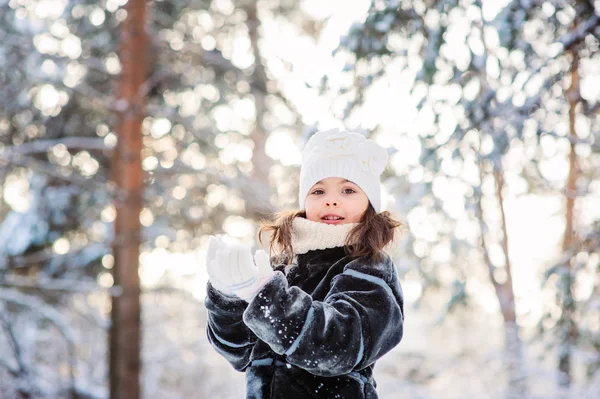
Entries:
{"x":460,"y":358}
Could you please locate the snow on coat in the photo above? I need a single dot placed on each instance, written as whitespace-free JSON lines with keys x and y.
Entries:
{"x":314,"y":332}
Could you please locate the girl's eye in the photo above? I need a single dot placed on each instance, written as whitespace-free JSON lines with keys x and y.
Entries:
{"x":318,"y":192}
{"x":349,"y":191}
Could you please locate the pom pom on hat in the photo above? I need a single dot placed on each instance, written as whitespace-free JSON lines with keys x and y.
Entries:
{"x":338,"y":153}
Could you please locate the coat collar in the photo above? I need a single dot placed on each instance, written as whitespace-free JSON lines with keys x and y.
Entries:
{"x":308,"y":235}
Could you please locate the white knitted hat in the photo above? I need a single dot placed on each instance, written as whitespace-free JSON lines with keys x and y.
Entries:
{"x":335,"y":153}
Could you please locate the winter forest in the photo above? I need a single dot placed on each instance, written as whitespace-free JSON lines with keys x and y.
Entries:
{"x":131,"y":130}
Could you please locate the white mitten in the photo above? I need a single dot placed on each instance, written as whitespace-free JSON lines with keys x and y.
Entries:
{"x":216,"y":271}
{"x":233,"y":270}
{"x":254,"y":272}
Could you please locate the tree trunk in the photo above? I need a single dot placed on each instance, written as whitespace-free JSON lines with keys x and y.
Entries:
{"x":261,"y":162}
{"x":571,"y":188}
{"x":569,"y":330}
{"x":517,"y":382}
{"x":517,"y":386}
{"x":125,"y":336}
{"x":505,"y":290}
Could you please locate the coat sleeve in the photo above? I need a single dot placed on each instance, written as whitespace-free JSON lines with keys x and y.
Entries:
{"x":359,"y":320}
{"x":226,"y":330}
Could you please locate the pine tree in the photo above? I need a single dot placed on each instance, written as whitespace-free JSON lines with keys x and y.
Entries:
{"x":494,"y":86}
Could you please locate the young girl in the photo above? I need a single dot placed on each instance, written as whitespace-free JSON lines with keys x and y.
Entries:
{"x":313,"y":324}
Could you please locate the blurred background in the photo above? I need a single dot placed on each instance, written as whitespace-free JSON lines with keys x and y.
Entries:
{"x":192,"y":115}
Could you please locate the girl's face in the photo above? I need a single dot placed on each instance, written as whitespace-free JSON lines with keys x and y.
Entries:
{"x":335,"y":200}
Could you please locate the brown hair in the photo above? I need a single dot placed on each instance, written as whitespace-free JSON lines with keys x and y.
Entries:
{"x":369,"y":238}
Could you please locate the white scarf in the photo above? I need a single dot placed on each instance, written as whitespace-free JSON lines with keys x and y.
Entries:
{"x":308,"y":235}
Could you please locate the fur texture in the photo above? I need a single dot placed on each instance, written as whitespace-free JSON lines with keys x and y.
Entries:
{"x":314,"y":332}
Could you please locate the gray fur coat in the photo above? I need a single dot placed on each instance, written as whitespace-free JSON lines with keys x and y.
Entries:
{"x":313,"y":332}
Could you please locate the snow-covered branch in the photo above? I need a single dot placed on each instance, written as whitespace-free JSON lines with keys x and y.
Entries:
{"x":52,"y":284}
{"x":35,"y":305}
{"x":579,"y":33}
{"x":42,"y":146}
{"x":22,"y":369}
{"x":48,"y":169}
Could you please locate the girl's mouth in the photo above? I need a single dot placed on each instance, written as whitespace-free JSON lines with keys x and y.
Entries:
{"x":332,"y":219}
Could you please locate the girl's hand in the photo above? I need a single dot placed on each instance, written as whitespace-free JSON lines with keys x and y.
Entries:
{"x":215,"y":272}
{"x":254,"y":272}
{"x":233,"y":270}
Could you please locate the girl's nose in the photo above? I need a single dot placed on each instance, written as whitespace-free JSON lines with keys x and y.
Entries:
{"x":331,"y":203}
